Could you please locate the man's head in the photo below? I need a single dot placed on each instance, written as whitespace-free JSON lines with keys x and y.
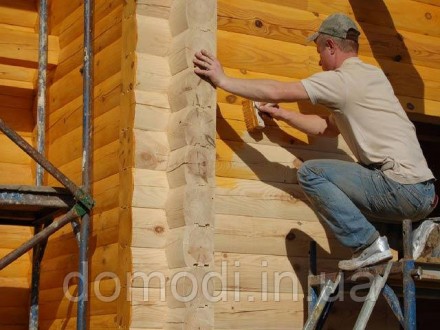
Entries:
{"x":336,"y":39}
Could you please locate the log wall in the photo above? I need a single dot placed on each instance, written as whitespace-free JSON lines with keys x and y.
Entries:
{"x":19,"y":44}
{"x":263,"y":222}
{"x":64,"y":148}
{"x":174,"y":125}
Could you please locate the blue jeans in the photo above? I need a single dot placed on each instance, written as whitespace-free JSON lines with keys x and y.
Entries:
{"x":347,"y":196}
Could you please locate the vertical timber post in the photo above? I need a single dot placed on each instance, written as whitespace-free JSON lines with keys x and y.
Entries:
{"x":191,"y":135}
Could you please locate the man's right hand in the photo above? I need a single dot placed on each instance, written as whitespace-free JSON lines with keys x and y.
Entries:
{"x":207,"y":65}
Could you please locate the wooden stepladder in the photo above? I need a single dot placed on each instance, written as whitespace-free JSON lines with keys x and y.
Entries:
{"x":330,"y":288}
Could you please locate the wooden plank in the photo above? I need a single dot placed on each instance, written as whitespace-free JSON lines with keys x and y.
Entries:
{"x":196,"y":14}
{"x":266,"y":236}
{"x":126,"y":158}
{"x":107,"y":321}
{"x":389,"y":13}
{"x":154,"y":8}
{"x":255,"y":198}
{"x":13,"y":239}
{"x":105,"y":132}
{"x":11,"y":153}
{"x":104,"y":164}
{"x":23,"y":124}
{"x":68,"y":117}
{"x":266,"y":163}
{"x":151,"y":118}
{"x":72,"y":24}
{"x":231,"y":127}
{"x":151,"y":150}
{"x":250,"y":312}
{"x":153,"y":73}
{"x":152,"y":98}
{"x":67,"y":88}
{"x":24,"y":9}
{"x":254,"y":50}
{"x":150,"y":228}
{"x":20,"y":48}
{"x":266,"y":274}
{"x":17,"y":76}
{"x":107,"y":30}
{"x":289,"y":24}
{"x":14,"y":297}
{"x":15,"y":174}
{"x":158,"y":42}
{"x":55,"y":269}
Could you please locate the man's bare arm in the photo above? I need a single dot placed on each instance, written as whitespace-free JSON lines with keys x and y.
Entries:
{"x":207,"y":65}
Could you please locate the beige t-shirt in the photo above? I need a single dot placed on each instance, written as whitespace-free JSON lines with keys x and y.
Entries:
{"x":371,"y":119}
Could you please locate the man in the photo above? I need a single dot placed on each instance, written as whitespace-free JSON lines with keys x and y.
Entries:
{"x":391,"y":182}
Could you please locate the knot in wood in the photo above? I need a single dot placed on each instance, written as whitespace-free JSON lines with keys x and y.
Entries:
{"x":258,"y":23}
{"x":410,"y":106}
{"x":398,"y":58}
{"x":428,"y":16}
{"x":159,"y":229}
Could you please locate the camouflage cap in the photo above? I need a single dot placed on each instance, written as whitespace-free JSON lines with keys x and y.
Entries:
{"x":337,"y":25}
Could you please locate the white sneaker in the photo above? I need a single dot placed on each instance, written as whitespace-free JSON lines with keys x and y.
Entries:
{"x":377,"y":252}
{"x":425,"y":239}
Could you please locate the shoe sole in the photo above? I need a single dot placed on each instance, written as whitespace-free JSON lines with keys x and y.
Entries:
{"x":373,"y":260}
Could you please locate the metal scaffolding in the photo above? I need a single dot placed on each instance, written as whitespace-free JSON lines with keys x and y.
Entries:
{"x":48,"y":209}
{"x":399,"y":276}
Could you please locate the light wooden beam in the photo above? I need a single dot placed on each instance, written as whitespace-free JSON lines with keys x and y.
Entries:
{"x":20,"y":48}
{"x":191,"y":164}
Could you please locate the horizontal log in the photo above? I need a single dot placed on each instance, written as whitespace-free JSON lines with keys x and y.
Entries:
{"x":151,"y":150}
{"x":151,"y":118}
{"x":186,"y":89}
{"x":151,"y":98}
{"x":190,"y":245}
{"x":189,"y":205}
{"x":107,"y":63}
{"x":20,"y":48}
{"x":68,"y":117}
{"x":157,"y":34}
{"x":195,"y":14}
{"x":254,"y":161}
{"x":266,"y":274}
{"x":154,"y":8}
{"x":392,"y":13}
{"x":266,"y":236}
{"x":150,"y":228}
{"x":107,"y":30}
{"x":68,"y":21}
{"x":191,"y":165}
{"x":186,"y":44}
{"x":105,"y":131}
{"x":106,"y":321}
{"x":26,"y":10}
{"x":16,"y":174}
{"x":17,"y":77}
{"x":280,"y":22}
{"x":246,"y":52}
{"x":250,"y":312}
{"x":191,"y":126}
{"x":255,"y":198}
{"x":152,"y":74}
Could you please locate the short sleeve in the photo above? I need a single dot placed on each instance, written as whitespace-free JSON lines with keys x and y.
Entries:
{"x":326,"y":88}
